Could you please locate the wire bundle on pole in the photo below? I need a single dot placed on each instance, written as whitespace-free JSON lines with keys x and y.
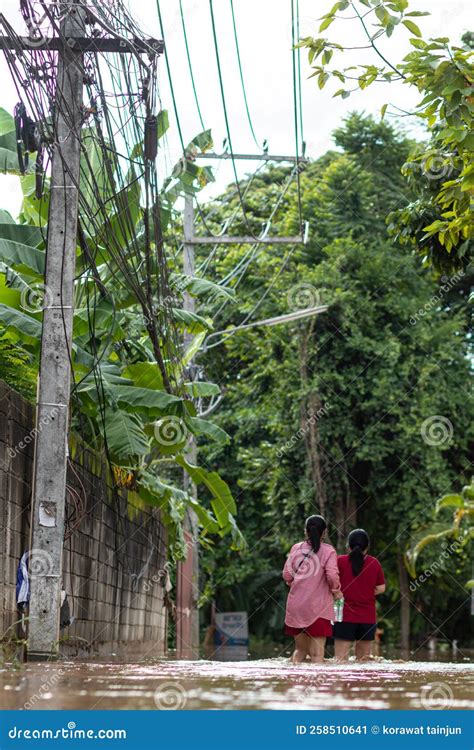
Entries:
{"x":120,"y":237}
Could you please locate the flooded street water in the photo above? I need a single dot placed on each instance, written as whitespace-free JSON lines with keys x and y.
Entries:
{"x":258,"y":684}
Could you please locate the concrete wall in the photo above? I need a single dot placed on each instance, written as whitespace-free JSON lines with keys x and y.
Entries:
{"x":114,"y":550}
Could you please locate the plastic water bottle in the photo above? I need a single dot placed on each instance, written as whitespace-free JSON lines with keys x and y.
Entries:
{"x":338,"y":610}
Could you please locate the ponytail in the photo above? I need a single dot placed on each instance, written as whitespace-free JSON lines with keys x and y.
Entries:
{"x":315,"y":527}
{"x":357,"y":541}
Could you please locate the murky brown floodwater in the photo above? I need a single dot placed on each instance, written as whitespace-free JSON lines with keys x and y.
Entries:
{"x":259,"y":684}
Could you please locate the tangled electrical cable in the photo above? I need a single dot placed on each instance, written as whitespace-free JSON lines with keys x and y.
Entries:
{"x":120,"y":233}
{"x":118,"y":136}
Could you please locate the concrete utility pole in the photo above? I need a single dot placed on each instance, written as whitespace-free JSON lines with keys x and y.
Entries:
{"x":51,"y":449}
{"x":49,"y":482}
{"x":187,"y":580}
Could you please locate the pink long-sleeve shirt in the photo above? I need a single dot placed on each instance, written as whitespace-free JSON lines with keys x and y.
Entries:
{"x":312,"y":578}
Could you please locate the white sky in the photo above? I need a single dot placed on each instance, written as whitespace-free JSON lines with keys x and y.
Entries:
{"x":265,"y":39}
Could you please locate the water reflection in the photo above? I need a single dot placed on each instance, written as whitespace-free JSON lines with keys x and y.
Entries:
{"x":259,"y":684}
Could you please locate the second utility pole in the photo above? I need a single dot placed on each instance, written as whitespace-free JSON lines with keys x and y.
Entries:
{"x":187,"y":593}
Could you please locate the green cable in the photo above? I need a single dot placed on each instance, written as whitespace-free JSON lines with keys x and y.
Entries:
{"x":226,"y":116}
{"x":295,"y":87}
{"x":296,"y":109}
{"x":190,"y":64}
{"x":175,"y":107}
{"x":237,"y":47}
{"x":299,"y":71}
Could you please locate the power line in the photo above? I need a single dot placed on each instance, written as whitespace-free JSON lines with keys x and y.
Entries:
{"x":300,"y":88}
{"x":226,"y":116}
{"x":170,"y":78}
{"x":237,"y":47}
{"x":278,"y":320}
{"x":296,"y":105}
{"x":191,"y":73}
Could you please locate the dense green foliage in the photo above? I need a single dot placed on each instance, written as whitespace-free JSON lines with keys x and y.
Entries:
{"x":458,"y":511}
{"x":340,"y":413}
{"x":438,"y":222}
{"x":134,"y":398}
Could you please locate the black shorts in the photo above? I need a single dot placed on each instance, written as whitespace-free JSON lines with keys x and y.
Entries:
{"x":354,"y":631}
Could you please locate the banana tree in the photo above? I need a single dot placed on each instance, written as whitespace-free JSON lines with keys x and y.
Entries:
{"x":460,"y":528}
{"x":123,"y":404}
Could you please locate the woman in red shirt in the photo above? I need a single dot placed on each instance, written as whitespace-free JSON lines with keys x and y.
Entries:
{"x":311,"y":573}
{"x":362,"y":579}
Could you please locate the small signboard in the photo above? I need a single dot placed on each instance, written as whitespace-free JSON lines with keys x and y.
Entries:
{"x":231,"y":636}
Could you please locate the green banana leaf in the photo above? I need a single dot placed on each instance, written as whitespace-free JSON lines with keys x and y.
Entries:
{"x":7,"y":123}
{"x":29,"y":328}
{"x":151,"y":402}
{"x":191,"y":322}
{"x":25,"y":234}
{"x":126,"y":440}
{"x":450,"y":501}
{"x":145,"y":375}
{"x":426,"y":536}
{"x":198,"y":287}
{"x":223,"y":504}
{"x":209,"y":429}
{"x":22,"y":257}
{"x":199,"y":388}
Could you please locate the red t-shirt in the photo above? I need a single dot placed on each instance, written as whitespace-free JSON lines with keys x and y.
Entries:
{"x":358,"y":591}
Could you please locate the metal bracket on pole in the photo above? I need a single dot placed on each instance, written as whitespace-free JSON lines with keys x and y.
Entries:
{"x":85,"y":44}
{"x":254,"y":157}
{"x":228,"y":239}
{"x":264,"y":238}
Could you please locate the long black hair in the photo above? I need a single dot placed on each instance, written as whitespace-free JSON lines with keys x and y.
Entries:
{"x":357,"y":541}
{"x":315,"y":527}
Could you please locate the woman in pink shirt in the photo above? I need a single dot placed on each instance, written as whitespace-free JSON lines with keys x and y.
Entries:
{"x":311,"y":573}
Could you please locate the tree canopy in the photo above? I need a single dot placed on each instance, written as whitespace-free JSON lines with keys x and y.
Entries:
{"x":438,"y":222}
{"x":358,"y":413}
